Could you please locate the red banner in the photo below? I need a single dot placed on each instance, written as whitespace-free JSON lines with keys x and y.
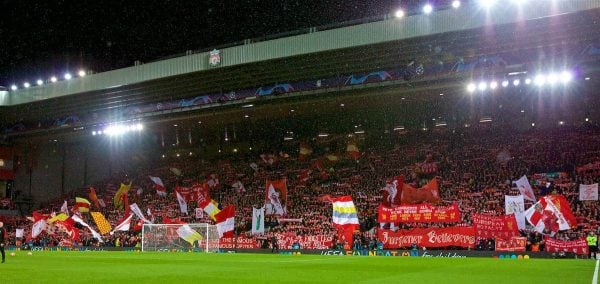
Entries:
{"x":577,"y":246}
{"x":423,"y":213}
{"x":285,"y":242}
{"x":428,"y":238}
{"x":490,"y":226}
{"x":513,"y":244}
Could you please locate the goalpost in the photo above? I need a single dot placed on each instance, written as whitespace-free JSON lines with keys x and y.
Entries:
{"x":180,"y":237}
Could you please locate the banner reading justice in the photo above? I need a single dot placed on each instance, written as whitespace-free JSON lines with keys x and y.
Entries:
{"x":430,"y":237}
{"x":419,"y":213}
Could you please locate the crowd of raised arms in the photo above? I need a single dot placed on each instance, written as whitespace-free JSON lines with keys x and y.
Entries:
{"x":475,"y":168}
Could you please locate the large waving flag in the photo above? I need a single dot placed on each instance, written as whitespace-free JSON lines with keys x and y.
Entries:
{"x":68,"y":226}
{"x":94,"y":197}
{"x":82,"y":204}
{"x":161,"y":190}
{"x":103,"y":225}
{"x":39,"y":224}
{"x":188,"y":234}
{"x":226,"y":221}
{"x":58,"y":217}
{"x":525,"y":188}
{"x":277,"y":196}
{"x":182,"y":202}
{"x":83,"y":223}
{"x":258,"y":220}
{"x":345,"y":217}
{"x":118,"y":199}
{"x":211,"y":208}
{"x":123,"y":225}
{"x":138,"y":212}
{"x":515,"y":205}
{"x":392,"y":192}
{"x":551,"y":212}
{"x":428,"y":193}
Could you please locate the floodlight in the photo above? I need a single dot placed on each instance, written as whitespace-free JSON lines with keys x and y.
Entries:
{"x":505,"y":83}
{"x":399,"y":13}
{"x":81,"y":73}
{"x":14,"y":87}
{"x":40,"y":82}
{"x":516,"y":82}
{"x":427,"y":9}
{"x":26,"y":85}
{"x":566,"y":77}
{"x":68,"y":76}
{"x":455,"y":4}
{"x":527,"y":81}
{"x":487,"y":3}
{"x":482,"y":86}
{"x":493,"y":85}
{"x":552,"y":78}
{"x":53,"y":79}
{"x":540,"y":80}
{"x":471,"y":87}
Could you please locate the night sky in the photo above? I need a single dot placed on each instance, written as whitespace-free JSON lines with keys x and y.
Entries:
{"x":43,"y":38}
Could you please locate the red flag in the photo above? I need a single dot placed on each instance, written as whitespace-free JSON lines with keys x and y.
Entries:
{"x":94,"y":197}
{"x":428,"y":193}
{"x":392,"y":192}
{"x":68,"y":226}
{"x":226,"y":222}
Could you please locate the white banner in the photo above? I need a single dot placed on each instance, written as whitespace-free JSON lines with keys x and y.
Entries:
{"x":182,"y":203}
{"x":258,"y":220}
{"x":515,"y":205}
{"x":19,"y":233}
{"x":588,"y":192}
{"x":525,"y":188}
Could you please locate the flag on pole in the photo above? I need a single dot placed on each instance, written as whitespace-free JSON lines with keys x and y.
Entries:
{"x":136,"y":210}
{"x":103,"y":225}
{"x":211,"y":208}
{"x":188,"y":234}
{"x":58,"y":217}
{"x":68,"y":226}
{"x":123,"y":190}
{"x":525,"y":188}
{"x":64,"y":208}
{"x":588,"y":192}
{"x":182,"y":203}
{"x":161,"y":190}
{"x":392,"y":192}
{"x":39,"y":224}
{"x":515,"y":205}
{"x":94,"y":197}
{"x":82,"y":204}
{"x":226,"y":221}
{"x":83,"y":223}
{"x":345,"y":217}
{"x":123,"y":225}
{"x":258,"y":220}
{"x":552,"y":213}
{"x":277,"y":196}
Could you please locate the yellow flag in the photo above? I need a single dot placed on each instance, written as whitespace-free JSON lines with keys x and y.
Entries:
{"x":117,"y":200}
{"x":103,"y":225}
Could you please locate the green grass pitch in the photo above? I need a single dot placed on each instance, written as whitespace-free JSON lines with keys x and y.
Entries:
{"x":173,"y":268}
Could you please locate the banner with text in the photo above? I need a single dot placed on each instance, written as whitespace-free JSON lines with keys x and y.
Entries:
{"x":577,"y":246}
{"x":513,"y":244}
{"x":285,"y":241}
{"x":424,"y":213}
{"x":429,"y":237}
{"x":490,"y":226}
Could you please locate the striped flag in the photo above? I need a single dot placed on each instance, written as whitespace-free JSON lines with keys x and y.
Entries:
{"x":226,"y":221}
{"x":188,"y":234}
{"x":82,"y":204}
{"x":345,"y":217}
{"x":103,"y":225}
{"x":210,"y":207}
{"x":353,"y":151}
{"x":258,"y":220}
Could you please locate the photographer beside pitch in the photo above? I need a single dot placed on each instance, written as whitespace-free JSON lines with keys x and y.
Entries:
{"x":2,"y":240}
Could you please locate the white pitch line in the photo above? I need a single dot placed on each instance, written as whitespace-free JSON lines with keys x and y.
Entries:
{"x":595,"y":278}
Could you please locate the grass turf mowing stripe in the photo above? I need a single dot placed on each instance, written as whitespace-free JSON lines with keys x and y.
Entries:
{"x":147,"y":267}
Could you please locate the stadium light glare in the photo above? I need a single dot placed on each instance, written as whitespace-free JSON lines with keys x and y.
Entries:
{"x":505,"y":83}
{"x":68,"y":76}
{"x":427,"y":9}
{"x":532,"y":124}
{"x":516,"y":82}
{"x":493,"y":85}
{"x":540,"y":80}
{"x":399,"y":13}
{"x":40,"y":82}
{"x":566,"y":77}
{"x":26,"y":85}
{"x":53,"y":79}
{"x":94,"y":133}
{"x":552,"y":78}
{"x":487,"y":4}
{"x":14,"y":87}
{"x":471,"y":87}
{"x":482,"y":86}
{"x":587,"y":119}
{"x":81,"y":73}
{"x":527,"y":81}
{"x":455,"y":4}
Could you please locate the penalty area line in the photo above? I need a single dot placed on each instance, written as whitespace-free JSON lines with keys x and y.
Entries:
{"x":595,"y":278}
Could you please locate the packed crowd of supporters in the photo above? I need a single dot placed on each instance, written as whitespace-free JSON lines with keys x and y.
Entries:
{"x":475,"y":168}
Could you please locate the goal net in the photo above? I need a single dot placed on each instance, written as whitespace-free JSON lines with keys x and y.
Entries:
{"x":178,"y":237}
